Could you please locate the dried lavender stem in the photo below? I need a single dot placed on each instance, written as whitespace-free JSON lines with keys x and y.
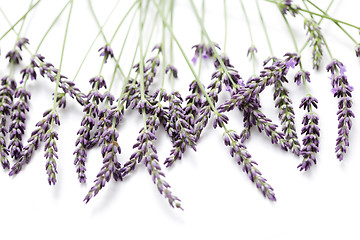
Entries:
{"x":24,"y":16}
{"x":264,"y":28}
{"x":336,"y":22}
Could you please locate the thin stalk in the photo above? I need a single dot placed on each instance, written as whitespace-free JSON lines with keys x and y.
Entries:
{"x":307,"y":42}
{"x":121,"y":52}
{"x":141,"y":65}
{"x":250,"y":34}
{"x":211,"y":43}
{"x":265,"y":29}
{"x":163,"y":50}
{"x":171,"y":43}
{"x":62,"y":56}
{"x":225,"y":20}
{"x":93,"y":42}
{"x":337,"y":24}
{"x":291,"y":33}
{"x":12,"y":27}
{"x":51,"y":26}
{"x":203,"y":90}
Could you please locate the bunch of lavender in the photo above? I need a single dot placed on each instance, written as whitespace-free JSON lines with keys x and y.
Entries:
{"x":342,"y":90}
{"x":311,"y":133}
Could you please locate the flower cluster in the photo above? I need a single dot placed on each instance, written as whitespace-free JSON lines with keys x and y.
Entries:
{"x":203,"y":50}
{"x":8,"y":86}
{"x":341,"y":90}
{"x":242,"y":156}
{"x":311,"y":133}
{"x":316,"y":40}
{"x":180,"y":131}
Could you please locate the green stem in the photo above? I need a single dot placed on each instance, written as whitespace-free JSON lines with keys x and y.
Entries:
{"x":171,"y":44}
{"x":291,"y":33}
{"x":163,"y":49}
{"x":203,"y":90}
{"x":225,"y":20}
{"x":264,"y":27}
{"x":307,"y":42}
{"x":121,"y":52}
{"x":211,"y":43}
{"x":62,"y":56}
{"x":141,"y":65}
{"x":337,"y":24}
{"x":51,"y":26}
{"x":93,"y":42}
{"x":12,"y":27}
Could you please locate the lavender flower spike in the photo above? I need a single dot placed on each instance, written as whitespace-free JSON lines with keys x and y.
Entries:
{"x":342,"y":90}
{"x":311,"y":133}
{"x":239,"y":151}
{"x":8,"y":86}
{"x":316,"y":41}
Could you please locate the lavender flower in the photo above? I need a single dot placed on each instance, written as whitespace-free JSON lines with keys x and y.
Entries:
{"x":287,"y":6}
{"x":84,"y":141}
{"x":147,"y":153}
{"x":111,"y":166}
{"x":173,"y":71}
{"x":316,"y":40}
{"x":193,"y":103}
{"x":37,"y":136}
{"x":239,"y":151}
{"x":302,"y":76}
{"x":342,"y":90}
{"x":14,"y":55}
{"x":251,"y":51}
{"x":18,"y":117}
{"x":311,"y":133}
{"x":180,"y":131}
{"x":205,"y":51}
{"x":8,"y":86}
{"x":357,"y":50}
{"x":286,"y":116}
{"x":50,"y":137}
{"x":106,"y":52}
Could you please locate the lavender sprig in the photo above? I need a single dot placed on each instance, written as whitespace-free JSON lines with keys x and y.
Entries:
{"x":203,"y":50}
{"x":18,"y":117}
{"x":286,"y":116}
{"x":84,"y":141}
{"x":34,"y":141}
{"x":50,"y":137}
{"x":111,"y":166}
{"x":342,"y":90}
{"x":242,"y":156}
{"x":147,"y":153}
{"x":8,"y":87}
{"x":316,"y":40}
{"x":180,"y":131}
{"x":311,"y":133}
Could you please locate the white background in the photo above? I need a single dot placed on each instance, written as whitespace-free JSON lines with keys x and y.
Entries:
{"x":220,"y":201}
